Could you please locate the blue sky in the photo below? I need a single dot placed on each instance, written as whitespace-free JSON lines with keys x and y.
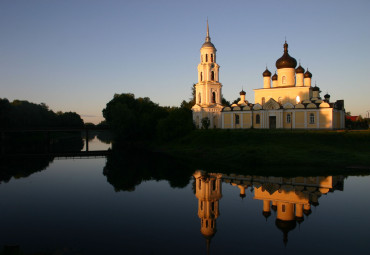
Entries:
{"x":74,"y":55}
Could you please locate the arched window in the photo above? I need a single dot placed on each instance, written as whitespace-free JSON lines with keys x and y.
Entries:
{"x":199,"y":98}
{"x":214,"y":97}
{"x":258,"y":119}
{"x":312,"y":118}
{"x":212,"y":76}
{"x":211,"y":57}
{"x":206,"y":57}
{"x":201,"y":76}
{"x":283,"y":80}
{"x":263,"y":100}
{"x":237,"y":119}
{"x":288,"y":118}
{"x":297,"y":99}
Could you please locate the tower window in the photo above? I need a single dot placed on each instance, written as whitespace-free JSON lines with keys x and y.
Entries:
{"x":206,"y":57}
{"x":263,"y":100}
{"x":201,"y":76}
{"x":258,"y":119}
{"x":283,"y":208}
{"x":236,"y":119}
{"x":213,"y":206}
{"x":288,"y":118}
{"x":211,"y":57}
{"x":201,"y":205}
{"x":212,"y":76}
{"x":200,"y":184}
{"x":312,"y":118}
{"x":214,"y":185}
{"x":199,"y":98}
{"x":214,"y":97}
{"x":283,"y":80}
{"x":206,"y":223}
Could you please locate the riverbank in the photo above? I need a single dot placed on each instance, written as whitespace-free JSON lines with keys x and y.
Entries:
{"x":274,"y":151}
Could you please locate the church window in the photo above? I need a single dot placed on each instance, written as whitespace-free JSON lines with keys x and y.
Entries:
{"x":214,"y":185}
{"x":283,"y":208}
{"x":288,"y":118}
{"x":214,"y":97}
{"x":297,"y":99}
{"x":211,"y":57}
{"x":206,"y":223}
{"x":284,"y":80}
{"x":258,"y":119}
{"x":213,"y":206}
{"x":312,"y":118}
{"x":263,"y":100}
{"x":212,"y":76}
{"x":201,"y":76}
{"x":200,"y":184}
{"x":199,"y":98}
{"x":206,"y":57}
{"x":236,"y":119}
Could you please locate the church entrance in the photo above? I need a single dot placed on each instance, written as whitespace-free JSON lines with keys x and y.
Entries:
{"x":272,"y":122}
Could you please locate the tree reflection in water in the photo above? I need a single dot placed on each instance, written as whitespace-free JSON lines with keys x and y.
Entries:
{"x":127,"y":167}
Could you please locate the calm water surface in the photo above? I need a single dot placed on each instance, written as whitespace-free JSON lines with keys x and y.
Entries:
{"x":81,"y":206}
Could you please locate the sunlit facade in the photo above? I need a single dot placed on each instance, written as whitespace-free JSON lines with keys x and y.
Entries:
{"x":287,"y":99}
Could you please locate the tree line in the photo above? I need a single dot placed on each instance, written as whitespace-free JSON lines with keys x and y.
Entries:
{"x":24,"y":114}
{"x":140,"y":119}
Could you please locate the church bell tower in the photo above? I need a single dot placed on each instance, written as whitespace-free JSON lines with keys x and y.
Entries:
{"x":208,"y":95}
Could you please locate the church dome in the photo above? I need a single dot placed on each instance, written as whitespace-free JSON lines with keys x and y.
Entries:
{"x":316,"y":88}
{"x":274,"y":77}
{"x":307,"y":74}
{"x":286,"y":61}
{"x":242,"y":93}
{"x":299,"y":69}
{"x":208,"y":44}
{"x":266,"y":73}
{"x":327,"y":95}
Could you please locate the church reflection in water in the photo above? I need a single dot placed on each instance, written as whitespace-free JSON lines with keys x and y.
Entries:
{"x":291,"y":198}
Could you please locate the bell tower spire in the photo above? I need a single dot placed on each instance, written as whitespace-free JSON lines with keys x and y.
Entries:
{"x":208,"y":39}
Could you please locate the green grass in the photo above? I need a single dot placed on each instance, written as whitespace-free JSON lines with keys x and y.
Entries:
{"x":274,"y":150}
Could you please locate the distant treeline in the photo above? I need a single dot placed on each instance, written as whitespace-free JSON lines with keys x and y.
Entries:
{"x":139,"y":119}
{"x":23,"y":114}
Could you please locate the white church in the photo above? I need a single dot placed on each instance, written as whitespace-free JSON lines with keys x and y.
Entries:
{"x":286,"y":100}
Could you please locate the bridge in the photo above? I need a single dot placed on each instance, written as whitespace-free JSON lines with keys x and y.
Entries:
{"x":47,"y":131}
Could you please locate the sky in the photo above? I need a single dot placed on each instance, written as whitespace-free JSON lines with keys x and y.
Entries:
{"x":74,"y":55}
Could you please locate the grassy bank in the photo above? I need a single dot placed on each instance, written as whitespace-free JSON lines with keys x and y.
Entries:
{"x":274,"y":151}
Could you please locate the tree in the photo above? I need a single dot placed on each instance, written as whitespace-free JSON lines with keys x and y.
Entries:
{"x":133,"y":119}
{"x":224,"y":102}
{"x":178,"y":123}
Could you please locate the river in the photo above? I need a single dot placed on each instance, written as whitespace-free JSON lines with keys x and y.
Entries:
{"x":138,"y":205}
